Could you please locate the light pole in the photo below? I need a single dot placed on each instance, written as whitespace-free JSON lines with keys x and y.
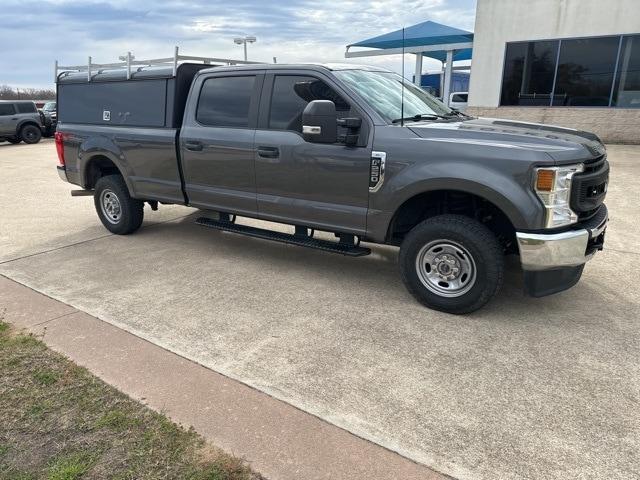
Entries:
{"x":244,"y":41}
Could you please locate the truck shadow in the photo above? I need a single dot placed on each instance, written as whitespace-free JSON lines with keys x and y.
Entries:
{"x":377,"y":272}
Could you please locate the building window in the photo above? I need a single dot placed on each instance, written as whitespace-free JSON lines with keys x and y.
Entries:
{"x":585,"y":72}
{"x":627,"y":85}
{"x":528,"y":73}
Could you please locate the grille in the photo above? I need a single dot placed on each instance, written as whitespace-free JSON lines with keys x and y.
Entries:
{"x":589,"y":188}
{"x":595,"y":165}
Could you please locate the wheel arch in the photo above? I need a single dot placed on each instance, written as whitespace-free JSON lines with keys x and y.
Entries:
{"x":466,"y":198}
{"x":99,"y":165}
{"x":24,"y":123}
{"x":99,"y":156}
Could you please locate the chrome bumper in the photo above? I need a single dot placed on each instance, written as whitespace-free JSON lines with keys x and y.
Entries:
{"x":557,"y":250}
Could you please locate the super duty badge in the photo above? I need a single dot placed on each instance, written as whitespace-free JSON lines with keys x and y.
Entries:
{"x":376,"y":173}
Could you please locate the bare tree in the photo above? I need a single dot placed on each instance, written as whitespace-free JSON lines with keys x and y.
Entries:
{"x":11,"y":93}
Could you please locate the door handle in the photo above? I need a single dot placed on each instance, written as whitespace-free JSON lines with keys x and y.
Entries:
{"x":194,"y":146}
{"x":268,"y":152}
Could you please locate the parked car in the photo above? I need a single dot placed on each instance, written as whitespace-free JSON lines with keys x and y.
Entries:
{"x":458,"y":100}
{"x":20,"y":121}
{"x":51,"y":118}
{"x":325,"y":148}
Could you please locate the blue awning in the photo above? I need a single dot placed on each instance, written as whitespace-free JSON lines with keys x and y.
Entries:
{"x":423,"y":34}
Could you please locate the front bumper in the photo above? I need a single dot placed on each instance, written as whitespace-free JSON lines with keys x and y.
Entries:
{"x":553,"y":262}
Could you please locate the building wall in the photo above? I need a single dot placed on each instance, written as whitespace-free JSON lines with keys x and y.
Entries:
{"x":502,"y":21}
{"x":612,"y":125}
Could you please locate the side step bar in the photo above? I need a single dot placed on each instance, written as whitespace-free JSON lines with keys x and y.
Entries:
{"x":301,"y":240}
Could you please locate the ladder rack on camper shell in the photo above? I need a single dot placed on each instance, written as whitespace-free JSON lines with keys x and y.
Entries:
{"x":95,"y":68}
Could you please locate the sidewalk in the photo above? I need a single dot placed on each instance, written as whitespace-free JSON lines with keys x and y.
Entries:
{"x":277,"y":439}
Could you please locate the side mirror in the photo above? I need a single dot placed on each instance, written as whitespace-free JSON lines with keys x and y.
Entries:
{"x":320,"y":122}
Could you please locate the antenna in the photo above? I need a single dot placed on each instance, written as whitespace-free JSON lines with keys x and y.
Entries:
{"x":402,"y":85}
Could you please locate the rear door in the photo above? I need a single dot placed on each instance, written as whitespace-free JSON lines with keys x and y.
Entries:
{"x":217,"y":141}
{"x":7,"y":124}
{"x":325,"y":186}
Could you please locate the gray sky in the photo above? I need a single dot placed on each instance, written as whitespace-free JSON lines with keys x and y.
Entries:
{"x":33,"y":35}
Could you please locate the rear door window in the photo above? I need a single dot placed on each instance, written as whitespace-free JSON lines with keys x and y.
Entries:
{"x":225,"y":101}
{"x":7,"y":109}
{"x":26,"y":107}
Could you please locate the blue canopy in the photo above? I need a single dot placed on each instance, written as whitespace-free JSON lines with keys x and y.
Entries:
{"x":423,"y":34}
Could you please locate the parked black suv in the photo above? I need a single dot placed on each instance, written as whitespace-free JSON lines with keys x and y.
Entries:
{"x":50,"y":118}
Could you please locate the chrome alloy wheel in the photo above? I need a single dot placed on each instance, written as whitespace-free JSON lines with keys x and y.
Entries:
{"x":446,"y":268}
{"x":110,"y":206}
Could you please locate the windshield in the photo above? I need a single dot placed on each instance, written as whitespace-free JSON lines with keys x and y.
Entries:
{"x":383,"y":91}
{"x":49,"y":106}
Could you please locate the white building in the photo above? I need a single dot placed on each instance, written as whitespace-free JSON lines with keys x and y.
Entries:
{"x":574,"y":63}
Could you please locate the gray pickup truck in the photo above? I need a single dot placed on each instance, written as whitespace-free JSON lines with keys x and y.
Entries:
{"x":350,"y":150}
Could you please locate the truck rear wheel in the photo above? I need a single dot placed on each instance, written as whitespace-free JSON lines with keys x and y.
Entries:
{"x":118,"y":212}
{"x":452,"y":263}
{"x":30,"y":134}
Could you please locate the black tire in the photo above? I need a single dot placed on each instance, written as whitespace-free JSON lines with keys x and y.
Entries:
{"x":465,"y":245}
{"x":118,"y":212}
{"x":30,"y":134}
{"x":13,"y":140}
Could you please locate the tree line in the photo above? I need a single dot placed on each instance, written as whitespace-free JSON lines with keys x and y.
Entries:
{"x":14,"y":93}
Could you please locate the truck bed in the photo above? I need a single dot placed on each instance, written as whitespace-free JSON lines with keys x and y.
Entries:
{"x":151,"y":168}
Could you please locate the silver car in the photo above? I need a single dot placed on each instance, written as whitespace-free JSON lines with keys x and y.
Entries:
{"x":20,"y":121}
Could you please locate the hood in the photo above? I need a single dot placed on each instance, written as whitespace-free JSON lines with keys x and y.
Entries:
{"x":561,"y":144}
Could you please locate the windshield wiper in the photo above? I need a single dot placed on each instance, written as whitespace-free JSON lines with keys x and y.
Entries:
{"x":418,"y":117}
{"x":457,"y":113}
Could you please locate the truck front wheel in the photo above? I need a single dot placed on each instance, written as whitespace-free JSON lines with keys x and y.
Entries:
{"x":452,"y":263}
{"x":118,"y":212}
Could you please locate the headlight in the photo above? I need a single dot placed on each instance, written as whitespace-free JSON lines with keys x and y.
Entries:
{"x":553,"y":187}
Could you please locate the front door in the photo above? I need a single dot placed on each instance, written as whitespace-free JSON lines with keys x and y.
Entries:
{"x":217,"y":142}
{"x":325,"y":186}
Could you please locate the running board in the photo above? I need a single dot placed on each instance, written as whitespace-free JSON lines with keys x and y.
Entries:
{"x":300,"y":240}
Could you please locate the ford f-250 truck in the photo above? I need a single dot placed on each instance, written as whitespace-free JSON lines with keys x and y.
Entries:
{"x":355,"y":151}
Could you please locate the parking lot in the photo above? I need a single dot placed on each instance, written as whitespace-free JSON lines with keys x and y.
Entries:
{"x":525,"y":388}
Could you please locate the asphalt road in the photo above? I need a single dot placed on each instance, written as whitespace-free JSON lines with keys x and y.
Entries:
{"x":526,"y":388}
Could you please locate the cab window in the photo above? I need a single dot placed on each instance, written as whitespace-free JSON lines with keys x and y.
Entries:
{"x":292,"y":93}
{"x":225,"y":101}
{"x":26,"y":107}
{"x":7,"y":109}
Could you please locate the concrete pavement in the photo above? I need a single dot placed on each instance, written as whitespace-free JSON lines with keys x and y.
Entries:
{"x":279,"y":440}
{"x":525,"y":388}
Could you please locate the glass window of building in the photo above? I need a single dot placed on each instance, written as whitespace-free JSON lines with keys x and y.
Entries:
{"x":528,"y":73}
{"x":627,"y":87}
{"x":576,"y":72}
{"x":586,"y":68}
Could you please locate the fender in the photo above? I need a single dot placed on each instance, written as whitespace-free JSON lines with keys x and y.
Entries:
{"x":27,"y":121}
{"x":100,"y":146}
{"x":519,"y":204}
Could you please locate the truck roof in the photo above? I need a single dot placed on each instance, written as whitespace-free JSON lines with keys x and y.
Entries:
{"x":139,"y":73}
{"x":17,"y":101}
